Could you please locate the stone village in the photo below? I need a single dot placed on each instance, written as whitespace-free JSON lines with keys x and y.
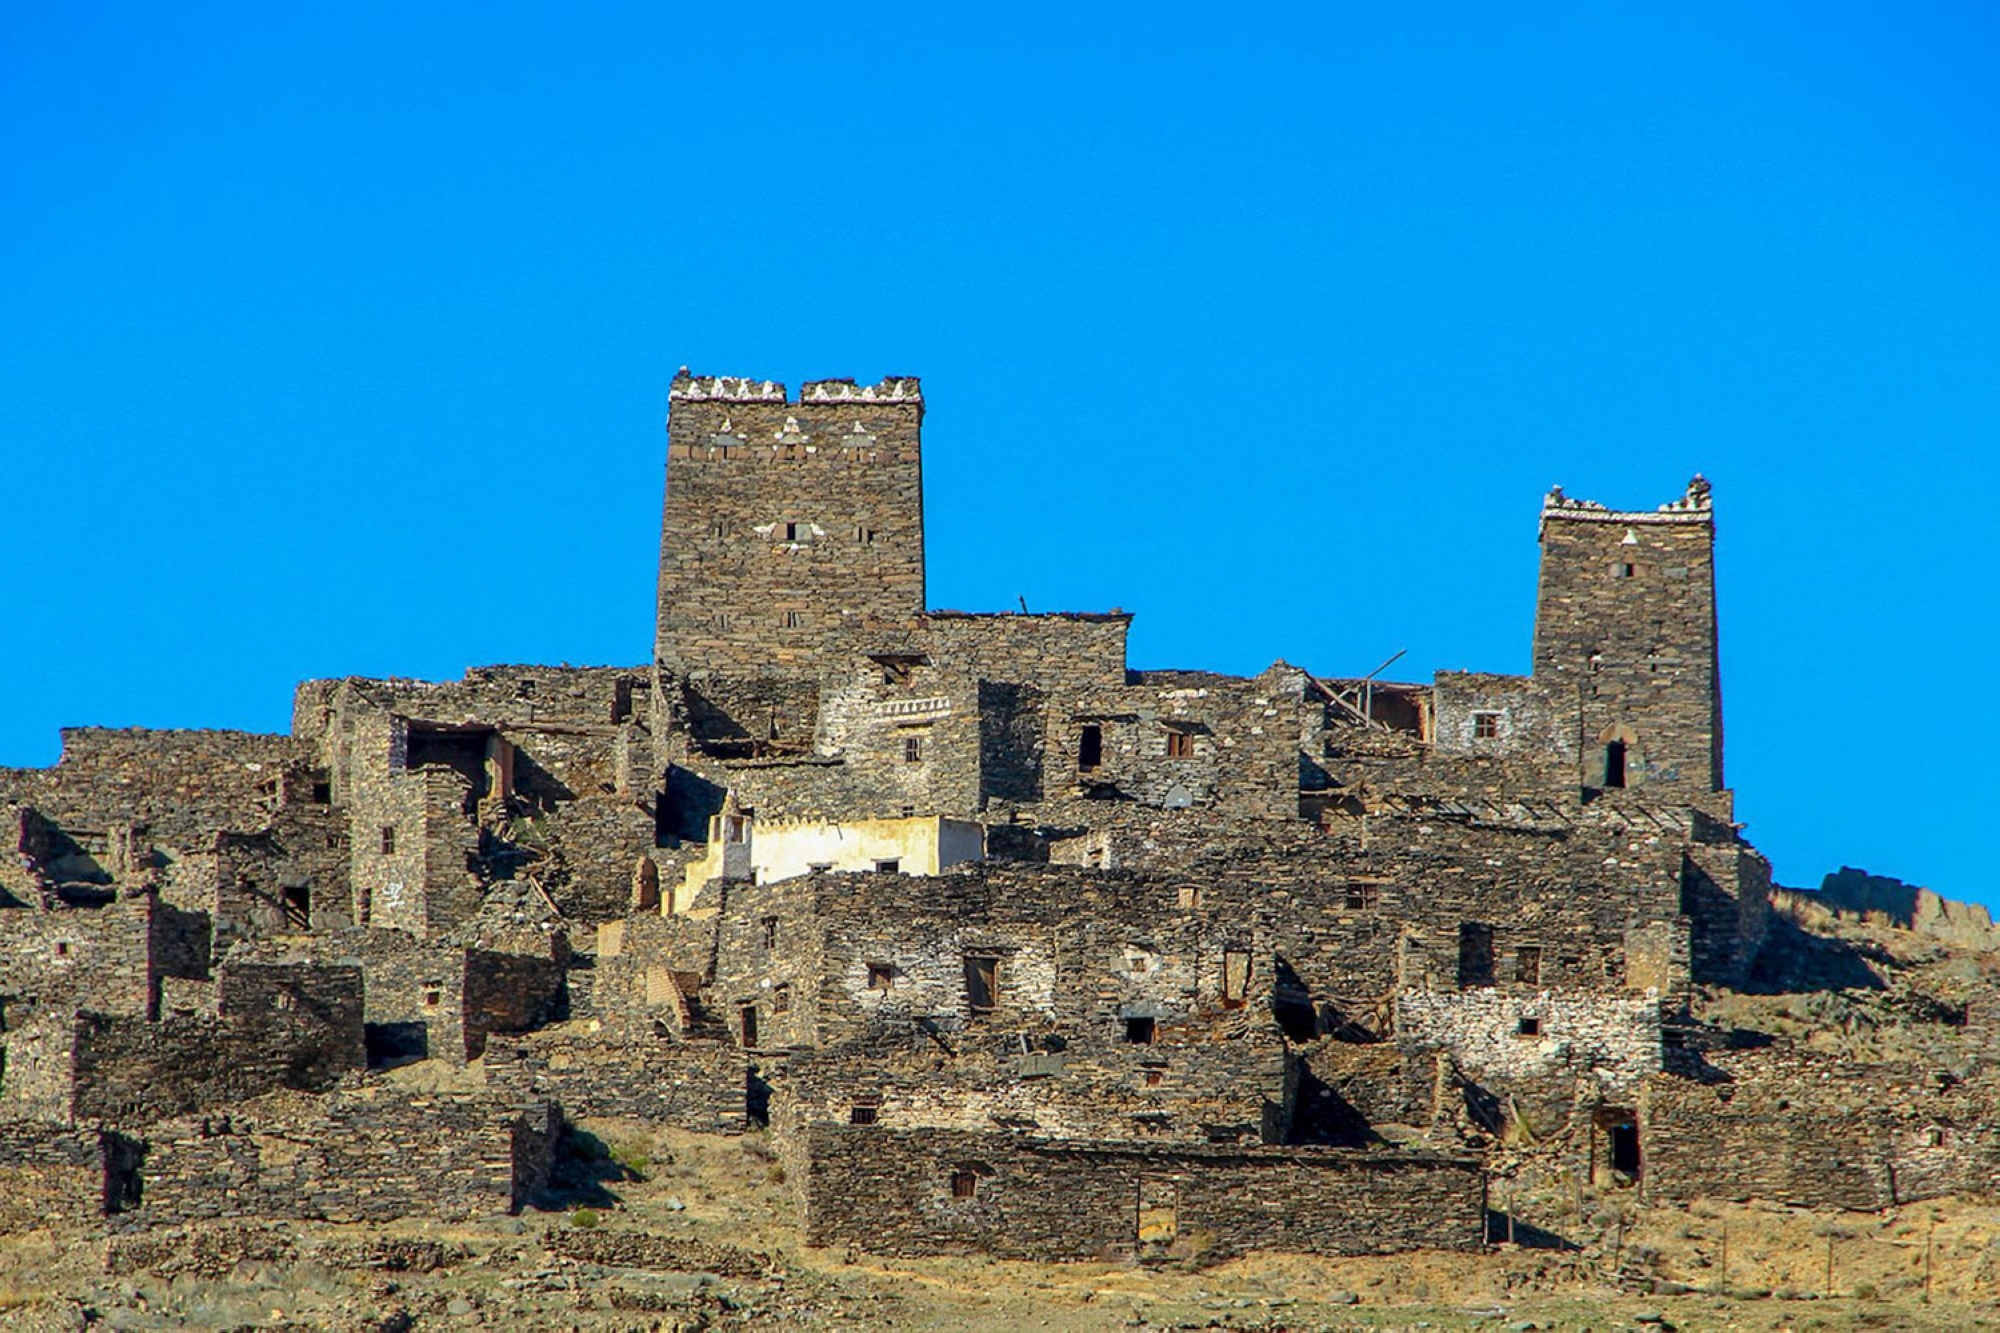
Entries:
{"x":1010,"y":947}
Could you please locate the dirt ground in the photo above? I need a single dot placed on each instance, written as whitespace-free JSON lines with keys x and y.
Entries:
{"x":1706,"y":1267}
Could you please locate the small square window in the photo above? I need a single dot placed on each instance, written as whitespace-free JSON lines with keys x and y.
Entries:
{"x":1528,"y":965}
{"x":1623,"y":570}
{"x":781,"y":1000}
{"x":1363,"y":897}
{"x":965,"y":1183}
{"x":322,"y":793}
{"x":62,"y":948}
{"x":795,"y":532}
{"x":1530,"y":1027}
{"x":1180,"y":745}
{"x":913,"y":749}
{"x":1188,"y":896}
{"x":864,"y":535}
{"x":863,"y":1113}
{"x":889,"y":867}
{"x":388,"y":842}
{"x":433,"y":994}
{"x":1139,"y":1031}
{"x":795,"y":619}
{"x":1486,"y":726}
{"x":718,"y":529}
{"x":881,"y":976}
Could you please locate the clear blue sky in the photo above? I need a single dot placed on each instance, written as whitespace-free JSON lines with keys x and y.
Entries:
{"x":336,"y":339}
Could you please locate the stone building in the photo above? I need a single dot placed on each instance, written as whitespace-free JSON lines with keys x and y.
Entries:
{"x":1012,"y":946}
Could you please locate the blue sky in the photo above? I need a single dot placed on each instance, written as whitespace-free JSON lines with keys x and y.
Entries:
{"x":335,"y":340}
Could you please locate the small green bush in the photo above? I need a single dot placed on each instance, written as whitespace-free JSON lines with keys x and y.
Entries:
{"x":585,"y":1219}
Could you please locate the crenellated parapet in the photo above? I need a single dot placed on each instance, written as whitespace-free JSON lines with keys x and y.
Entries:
{"x":688,"y":388}
{"x":1695,"y":506}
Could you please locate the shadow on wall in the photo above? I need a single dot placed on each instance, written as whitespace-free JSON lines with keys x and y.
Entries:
{"x":584,"y":1166}
{"x":690,"y":801}
{"x":1793,"y":959}
{"x":1322,"y":1116}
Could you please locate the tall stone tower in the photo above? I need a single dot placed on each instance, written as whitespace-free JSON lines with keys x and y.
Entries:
{"x":789,"y":523}
{"x":1626,"y":615}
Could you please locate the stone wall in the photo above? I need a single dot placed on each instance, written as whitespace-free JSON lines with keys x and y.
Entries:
{"x":698,"y":1086}
{"x":1815,"y":1133}
{"x":371,"y":1154}
{"x":273,"y":1027}
{"x":55,"y":1176}
{"x":943,"y":1192}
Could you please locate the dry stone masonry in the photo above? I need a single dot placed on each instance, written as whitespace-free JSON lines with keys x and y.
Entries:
{"x":1011,"y":947}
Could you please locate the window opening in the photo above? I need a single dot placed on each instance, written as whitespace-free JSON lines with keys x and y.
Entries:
{"x":889,"y":867}
{"x":433,"y":994}
{"x":982,"y":983}
{"x":298,"y":907}
{"x":322,"y":793}
{"x":1235,"y":978}
{"x":1180,"y":745}
{"x":388,"y":841}
{"x":1530,"y":1027}
{"x":965,"y":1183}
{"x":1363,"y":897}
{"x":795,"y":532}
{"x":1090,"y":747}
{"x":770,"y":925}
{"x":863,"y":1113}
{"x":781,"y":1000}
{"x":1486,"y":726}
{"x":1188,"y":896}
{"x":881,"y":976}
{"x":1614,"y":764}
{"x":818,"y":867}
{"x":1528,"y":965}
{"x":747,"y":1024}
{"x":1139,"y":1030}
{"x":913,"y":749}
{"x":794,"y":619}
{"x":1475,"y":954}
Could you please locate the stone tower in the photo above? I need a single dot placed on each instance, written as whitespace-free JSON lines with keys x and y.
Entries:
{"x":1626,"y":615}
{"x":789,"y":523}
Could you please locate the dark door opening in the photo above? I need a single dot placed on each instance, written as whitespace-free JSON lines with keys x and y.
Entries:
{"x":1614,"y":764}
{"x":1625,"y":1149}
{"x":1090,"y":748}
{"x":749,"y":1025}
{"x":1139,"y":1031}
{"x":756,"y":1098}
{"x":298,"y":906}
